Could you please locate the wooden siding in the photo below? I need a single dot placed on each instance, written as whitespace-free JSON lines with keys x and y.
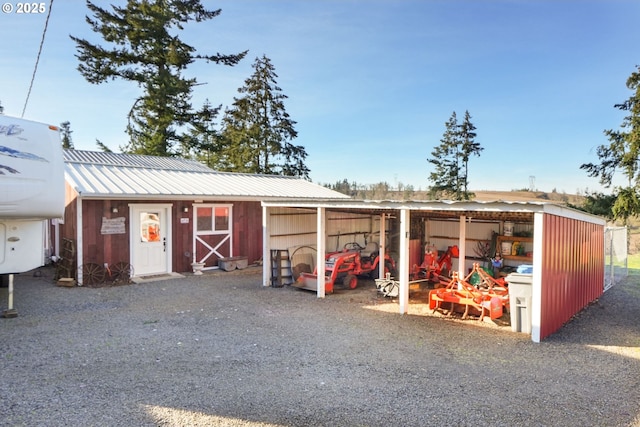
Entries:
{"x":247,"y":230}
{"x":112,"y":248}
{"x":572,"y":269}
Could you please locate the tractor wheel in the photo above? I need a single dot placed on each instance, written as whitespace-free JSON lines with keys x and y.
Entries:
{"x":350,"y":281}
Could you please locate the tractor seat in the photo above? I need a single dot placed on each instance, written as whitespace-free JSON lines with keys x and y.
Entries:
{"x":370,"y":249}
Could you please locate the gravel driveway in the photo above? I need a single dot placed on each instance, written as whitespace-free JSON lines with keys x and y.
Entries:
{"x":220,"y":350}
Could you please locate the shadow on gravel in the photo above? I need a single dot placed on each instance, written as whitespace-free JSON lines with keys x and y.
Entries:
{"x":221,"y":350}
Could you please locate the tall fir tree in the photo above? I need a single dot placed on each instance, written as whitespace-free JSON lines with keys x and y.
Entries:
{"x":145,"y":49}
{"x":257,"y":131}
{"x":622,"y":154}
{"x":445,"y":161}
{"x":468,"y":147}
{"x":65,"y":130}
{"x":450,"y":160}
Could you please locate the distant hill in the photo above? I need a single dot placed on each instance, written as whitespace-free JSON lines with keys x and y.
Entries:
{"x":528,"y":196}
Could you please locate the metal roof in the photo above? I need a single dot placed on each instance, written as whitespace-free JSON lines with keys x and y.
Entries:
{"x":114,"y":175}
{"x":445,"y":209}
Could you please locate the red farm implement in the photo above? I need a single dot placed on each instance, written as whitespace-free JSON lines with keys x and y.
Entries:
{"x":490,"y":296}
{"x":434,"y":267}
{"x":345,"y":266}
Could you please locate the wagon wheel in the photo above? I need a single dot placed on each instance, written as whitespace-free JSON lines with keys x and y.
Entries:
{"x":121,"y":272}
{"x":92,"y":274}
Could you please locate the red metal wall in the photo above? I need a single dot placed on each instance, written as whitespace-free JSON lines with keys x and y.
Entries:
{"x":572,"y":269}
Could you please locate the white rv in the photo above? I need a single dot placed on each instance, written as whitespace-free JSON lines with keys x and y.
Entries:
{"x":31,"y":191}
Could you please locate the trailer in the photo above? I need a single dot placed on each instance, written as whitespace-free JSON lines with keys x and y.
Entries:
{"x":31,"y":193}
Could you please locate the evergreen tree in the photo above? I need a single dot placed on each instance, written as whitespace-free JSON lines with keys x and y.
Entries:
{"x":65,"y":129}
{"x":622,"y":153}
{"x":446,"y":163}
{"x":469,"y":147}
{"x":203,"y":140}
{"x":257,"y":131}
{"x":145,"y":49}
{"x":103,"y":147}
{"x":450,"y":159}
{"x":1,"y":108}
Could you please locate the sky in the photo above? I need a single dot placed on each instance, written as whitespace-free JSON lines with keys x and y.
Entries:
{"x":371,"y":83}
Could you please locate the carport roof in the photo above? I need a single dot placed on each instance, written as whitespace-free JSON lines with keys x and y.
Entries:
{"x":132,"y":176}
{"x":444,"y":209}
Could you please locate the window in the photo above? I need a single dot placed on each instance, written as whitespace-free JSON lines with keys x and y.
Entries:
{"x":212,"y":218}
{"x":149,"y":227}
{"x":222,"y":219}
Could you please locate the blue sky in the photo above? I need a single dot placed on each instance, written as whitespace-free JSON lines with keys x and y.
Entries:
{"x":371,"y":83}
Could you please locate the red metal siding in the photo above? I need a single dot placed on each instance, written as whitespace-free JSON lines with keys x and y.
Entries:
{"x":572,"y":269}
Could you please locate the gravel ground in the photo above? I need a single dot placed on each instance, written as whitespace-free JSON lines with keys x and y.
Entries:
{"x":220,"y":350}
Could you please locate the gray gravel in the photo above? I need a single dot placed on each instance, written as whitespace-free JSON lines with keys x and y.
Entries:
{"x":220,"y":350}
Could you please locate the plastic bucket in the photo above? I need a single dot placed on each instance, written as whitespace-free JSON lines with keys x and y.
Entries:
{"x":506,"y":248}
{"x":508,"y":228}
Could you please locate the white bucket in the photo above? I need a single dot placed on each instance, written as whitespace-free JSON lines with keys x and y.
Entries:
{"x":508,"y":229}
{"x":506,"y":248}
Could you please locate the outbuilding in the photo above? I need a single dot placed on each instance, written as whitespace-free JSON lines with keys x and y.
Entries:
{"x":562,"y":247}
{"x":160,"y":215}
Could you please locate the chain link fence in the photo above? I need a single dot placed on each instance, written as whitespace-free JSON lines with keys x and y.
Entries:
{"x":615,"y":256}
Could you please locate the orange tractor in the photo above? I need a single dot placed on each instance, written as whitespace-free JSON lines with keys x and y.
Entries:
{"x":345,"y":266}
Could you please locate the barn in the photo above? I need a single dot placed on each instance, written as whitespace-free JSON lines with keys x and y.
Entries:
{"x":562,"y":248}
{"x":160,"y":215}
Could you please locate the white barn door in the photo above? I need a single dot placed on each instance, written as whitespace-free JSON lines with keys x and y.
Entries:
{"x":212,"y":234}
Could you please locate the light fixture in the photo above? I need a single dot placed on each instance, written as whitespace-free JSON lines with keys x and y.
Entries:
{"x":114,"y":210}
{"x":185,"y":209}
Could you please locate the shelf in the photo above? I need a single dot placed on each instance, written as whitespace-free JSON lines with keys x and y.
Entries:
{"x":520,"y":239}
{"x":514,"y":239}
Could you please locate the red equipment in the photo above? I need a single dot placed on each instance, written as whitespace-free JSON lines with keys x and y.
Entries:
{"x":491,"y":296}
{"x":434,"y":268}
{"x":345,"y":266}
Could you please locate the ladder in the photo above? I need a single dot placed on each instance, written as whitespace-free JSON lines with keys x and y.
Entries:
{"x":280,"y":268}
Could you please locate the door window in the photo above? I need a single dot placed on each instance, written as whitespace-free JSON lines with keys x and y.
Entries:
{"x":149,"y":227}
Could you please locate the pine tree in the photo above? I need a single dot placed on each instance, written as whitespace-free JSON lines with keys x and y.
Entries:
{"x":469,"y":147}
{"x":450,"y":159}
{"x":622,"y":153}
{"x":257,"y":131}
{"x":145,"y":49}
{"x":445,"y":160}
{"x":65,"y":129}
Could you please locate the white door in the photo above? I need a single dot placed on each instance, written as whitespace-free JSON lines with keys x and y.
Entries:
{"x":150,"y":239}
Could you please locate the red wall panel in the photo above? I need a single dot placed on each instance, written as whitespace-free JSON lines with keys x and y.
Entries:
{"x":572,"y":269}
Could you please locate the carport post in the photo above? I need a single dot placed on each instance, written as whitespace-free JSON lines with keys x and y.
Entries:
{"x":383,"y":244}
{"x":266,"y":247}
{"x":403,"y":267}
{"x":536,"y":289}
{"x":321,"y":244}
{"x":462,"y":246}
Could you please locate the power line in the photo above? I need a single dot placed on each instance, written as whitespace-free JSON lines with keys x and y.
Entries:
{"x":35,"y":69}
